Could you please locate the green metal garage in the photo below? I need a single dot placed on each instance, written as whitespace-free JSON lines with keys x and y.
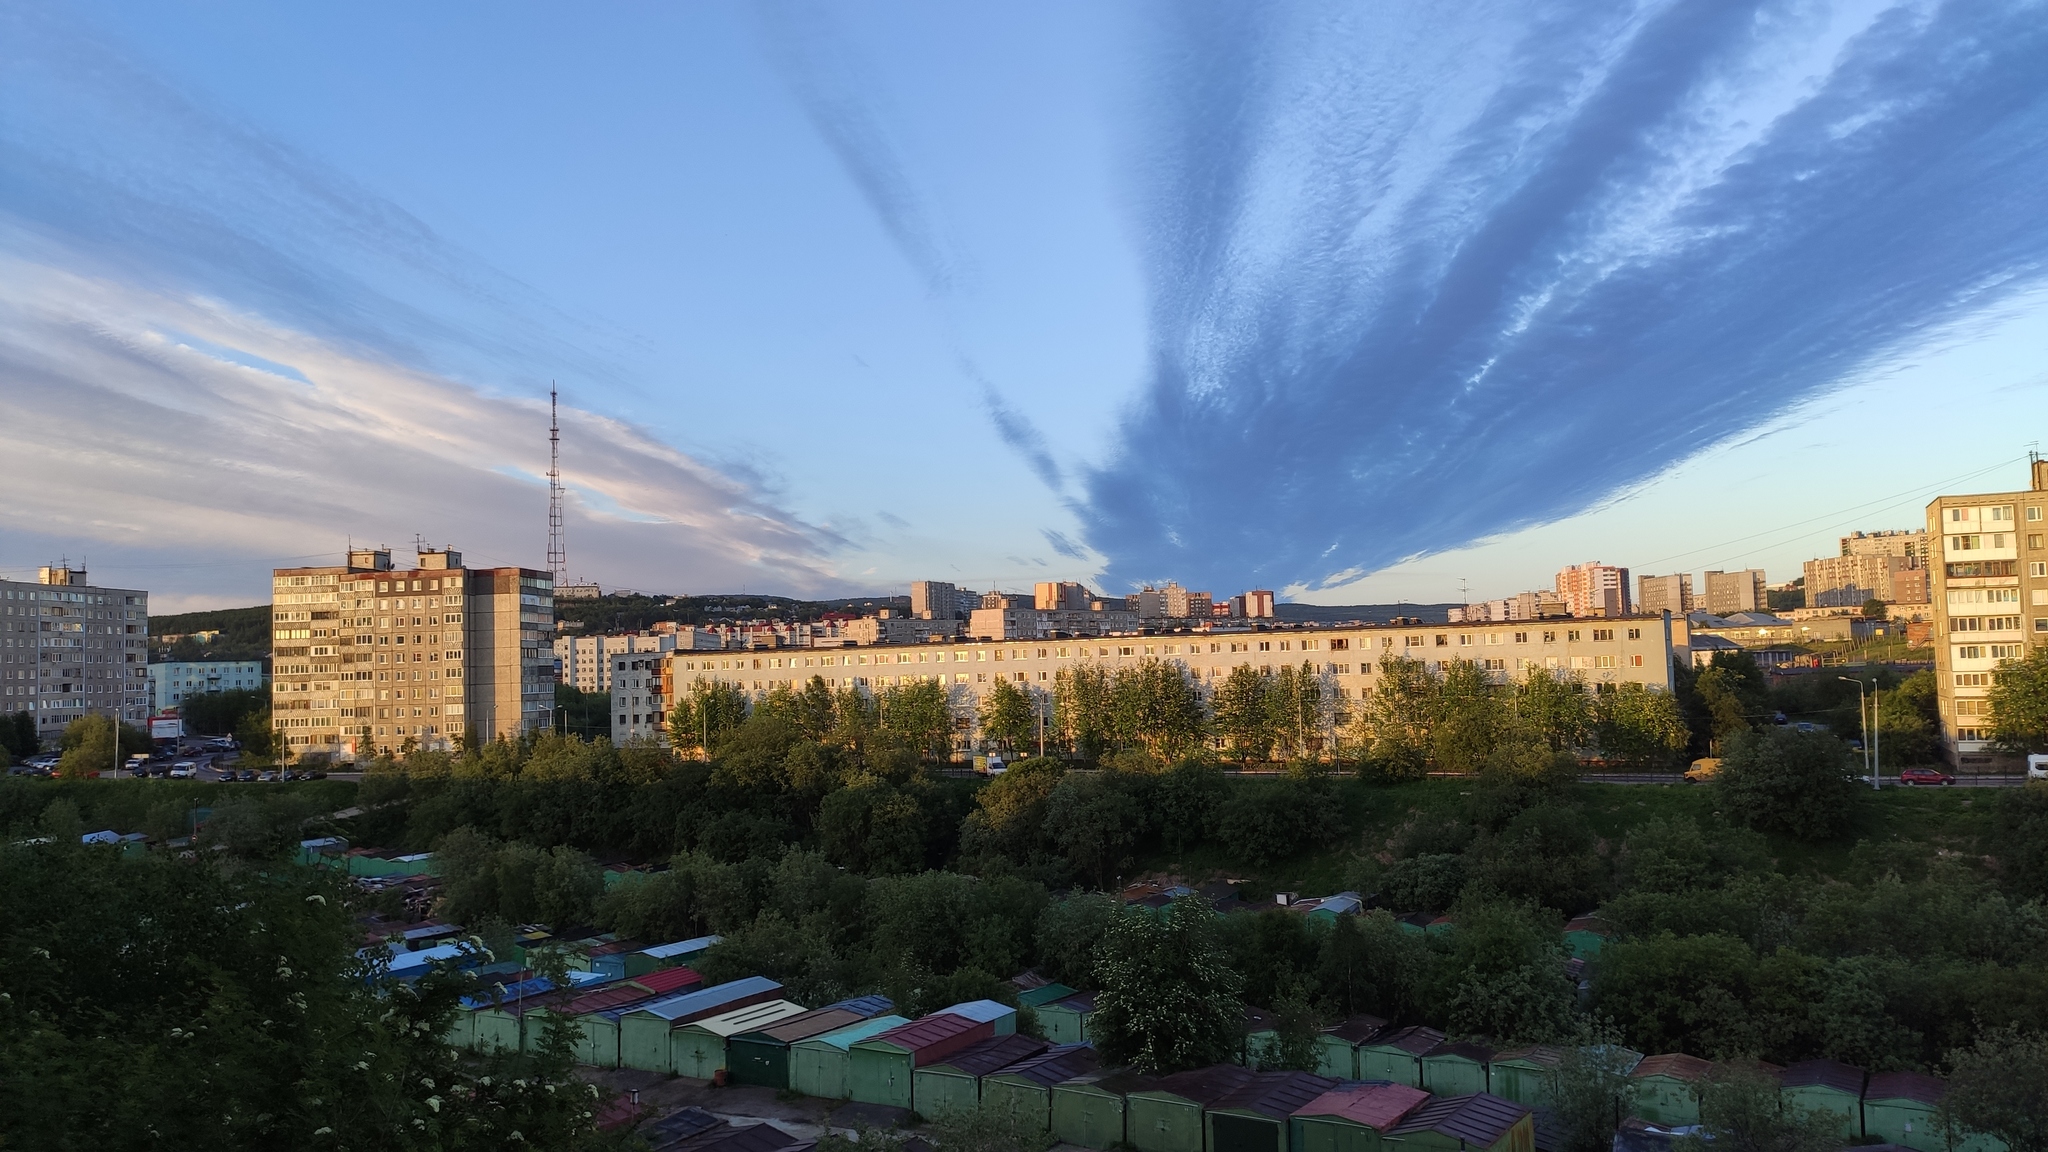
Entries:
{"x":953,"y":1084}
{"x":1254,"y":1118}
{"x":818,"y":1066}
{"x":1024,"y":1089}
{"x":1353,"y":1119}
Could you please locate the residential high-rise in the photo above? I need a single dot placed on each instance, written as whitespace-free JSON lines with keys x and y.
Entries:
{"x":172,"y":681}
{"x":1594,"y":589}
{"x":368,"y":657}
{"x":1061,"y":595}
{"x":585,"y":662}
{"x":1742,"y":591}
{"x":1912,"y":544}
{"x":1671,"y":594}
{"x":1850,"y":580}
{"x":71,"y":649}
{"x":1990,"y":599}
{"x":934,"y":600}
{"x":1258,"y":604}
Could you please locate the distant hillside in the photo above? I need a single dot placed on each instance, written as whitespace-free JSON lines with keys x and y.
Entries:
{"x":1370,"y":613}
{"x":634,"y":612}
{"x":244,"y":634}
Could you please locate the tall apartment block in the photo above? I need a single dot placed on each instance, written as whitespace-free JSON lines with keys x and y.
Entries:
{"x":1744,"y":591}
{"x":1990,"y":594}
{"x":1671,"y":594}
{"x":585,"y":661}
{"x":1594,"y":589}
{"x":70,"y":649}
{"x":370,"y":657}
{"x":934,"y":600}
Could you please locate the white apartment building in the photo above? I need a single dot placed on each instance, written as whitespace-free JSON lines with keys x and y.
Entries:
{"x":1671,"y":594}
{"x":70,"y":649}
{"x":1990,"y":598}
{"x":171,"y":681}
{"x":585,"y":661}
{"x":1732,"y":592}
{"x":639,"y":711}
{"x":1637,"y":649}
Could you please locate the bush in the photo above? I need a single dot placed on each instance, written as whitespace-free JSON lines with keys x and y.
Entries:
{"x":1783,"y":780}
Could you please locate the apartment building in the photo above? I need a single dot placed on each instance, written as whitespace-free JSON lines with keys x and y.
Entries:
{"x":370,"y":657}
{"x":586,"y":661}
{"x":639,"y":711}
{"x":1990,"y":597}
{"x":889,"y":628}
{"x":1634,"y":649}
{"x":1852,"y":579}
{"x":1908,"y":544}
{"x":1594,"y":589}
{"x":1671,"y":594}
{"x":934,"y":600}
{"x":69,"y":648}
{"x":1057,"y":595}
{"x":1032,"y":624}
{"x":171,"y":681}
{"x":1732,"y":592}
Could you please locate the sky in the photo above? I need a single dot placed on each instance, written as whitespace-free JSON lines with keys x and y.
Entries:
{"x":1352,"y":302}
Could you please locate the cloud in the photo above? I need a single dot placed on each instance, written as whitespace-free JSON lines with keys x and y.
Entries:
{"x":141,"y":415}
{"x":1419,"y":282}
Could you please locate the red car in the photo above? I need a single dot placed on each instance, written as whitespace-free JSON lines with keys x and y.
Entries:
{"x":1925,"y":776}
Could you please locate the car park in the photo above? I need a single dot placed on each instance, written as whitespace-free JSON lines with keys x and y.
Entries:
{"x":1924,"y":776}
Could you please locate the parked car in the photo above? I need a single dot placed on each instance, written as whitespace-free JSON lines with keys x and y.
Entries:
{"x":269,"y":777}
{"x":1703,"y":769}
{"x":246,"y":775}
{"x":1924,"y":776}
{"x":46,"y":760}
{"x":183,"y":770}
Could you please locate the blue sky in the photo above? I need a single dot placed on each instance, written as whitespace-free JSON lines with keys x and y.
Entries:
{"x":1355,"y":303}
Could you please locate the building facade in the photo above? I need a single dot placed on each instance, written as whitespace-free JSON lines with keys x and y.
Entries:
{"x":368,"y":658}
{"x":171,"y":681}
{"x":1913,"y":544}
{"x":1990,"y":598}
{"x":639,"y":711}
{"x":1633,"y":649}
{"x":1833,"y":581}
{"x":934,"y":600}
{"x":586,"y":661}
{"x":69,"y":649}
{"x":1594,"y":589}
{"x":1732,"y":592}
{"x":1671,"y":594}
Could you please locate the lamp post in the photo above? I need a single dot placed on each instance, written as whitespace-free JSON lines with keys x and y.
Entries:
{"x":1868,"y":729}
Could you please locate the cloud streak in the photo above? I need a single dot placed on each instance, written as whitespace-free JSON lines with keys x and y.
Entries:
{"x":1417,"y":282}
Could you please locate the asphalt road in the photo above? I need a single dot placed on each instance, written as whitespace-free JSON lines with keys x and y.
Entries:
{"x":1888,"y":782}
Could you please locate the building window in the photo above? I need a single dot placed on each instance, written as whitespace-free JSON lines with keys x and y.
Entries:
{"x":1572,"y":636}
{"x":1635,"y":634}
{"x":1603,"y":633}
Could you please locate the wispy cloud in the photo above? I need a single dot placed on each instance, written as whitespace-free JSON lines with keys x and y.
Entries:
{"x":210,"y":343}
{"x":1417,"y":282}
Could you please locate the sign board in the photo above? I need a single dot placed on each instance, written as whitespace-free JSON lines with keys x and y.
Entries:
{"x":166,"y":728}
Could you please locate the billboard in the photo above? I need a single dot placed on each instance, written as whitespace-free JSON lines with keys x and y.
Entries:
{"x":166,"y":728}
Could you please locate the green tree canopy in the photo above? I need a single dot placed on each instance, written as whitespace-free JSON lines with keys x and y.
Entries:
{"x":1168,"y":999}
{"x":1999,"y":1086}
{"x":2019,"y":703}
{"x":1780,"y":779}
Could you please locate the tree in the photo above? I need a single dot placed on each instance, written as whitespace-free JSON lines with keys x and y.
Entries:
{"x":704,"y":712}
{"x":1154,"y":706}
{"x":1469,"y":717}
{"x":1501,"y":974}
{"x":1243,"y":717}
{"x":2019,"y":703}
{"x":88,"y":745}
{"x":1068,"y":933}
{"x":1907,"y":721}
{"x":1734,"y":693}
{"x":1297,"y":1027}
{"x":873,"y":827}
{"x":1095,"y":822}
{"x":1638,"y":725}
{"x":1875,"y":609}
{"x":221,"y":713}
{"x":1553,"y":708}
{"x":1999,"y":1086}
{"x":1188,"y":796}
{"x":1081,"y":708}
{"x":1301,"y":704}
{"x":1589,"y":1090}
{"x":1007,"y":719}
{"x":1168,"y":1000}
{"x":920,"y":716}
{"x":1780,"y":779}
{"x":1741,"y":1110}
{"x":18,"y":735}
{"x":1009,"y":812}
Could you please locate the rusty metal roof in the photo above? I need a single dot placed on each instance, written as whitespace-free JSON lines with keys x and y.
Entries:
{"x":1414,"y":1040}
{"x":1377,"y":1106}
{"x":1055,"y":1065}
{"x":994,"y":1054}
{"x":1357,"y":1029}
{"x":1277,"y":1094}
{"x":1676,"y":1065}
{"x":1915,"y":1086}
{"x":933,"y":1037}
{"x":1204,"y":1086}
{"x":1481,"y":1118}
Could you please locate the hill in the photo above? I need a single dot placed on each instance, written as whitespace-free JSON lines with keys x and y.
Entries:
{"x":244,"y":634}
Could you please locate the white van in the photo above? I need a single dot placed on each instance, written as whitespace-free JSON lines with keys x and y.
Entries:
{"x":2037,"y":766}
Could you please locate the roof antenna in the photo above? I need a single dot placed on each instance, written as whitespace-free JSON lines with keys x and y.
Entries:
{"x":558,"y":548}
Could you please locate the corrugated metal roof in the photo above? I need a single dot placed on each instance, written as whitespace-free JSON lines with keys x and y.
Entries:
{"x":867,"y":1006}
{"x":763,"y":1137}
{"x":981,"y":1011}
{"x":510,"y":994}
{"x":935,"y":1035}
{"x":1676,"y":1065}
{"x":816,"y":1022}
{"x":1085,"y":1002}
{"x":1204,"y":1086}
{"x":1538,"y":1055}
{"x":1589,"y":924}
{"x":994,"y":1054}
{"x":1116,"y":1081}
{"x":1414,"y":1040}
{"x":853,"y":1034}
{"x":1056,"y":1065}
{"x":1357,"y":1030}
{"x":751,"y":1018}
{"x":681,"y":947}
{"x":1463,"y":1049}
{"x":1918,"y":1087}
{"x":604,"y":999}
{"x":1830,"y":1074}
{"x":710,"y":1001}
{"x":1377,"y":1106}
{"x":1043,"y":994}
{"x":1481,"y":1118}
{"x":669,"y":981}
{"x":1276,"y":1094}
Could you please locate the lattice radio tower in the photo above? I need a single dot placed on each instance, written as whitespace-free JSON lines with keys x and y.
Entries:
{"x":558,"y":548}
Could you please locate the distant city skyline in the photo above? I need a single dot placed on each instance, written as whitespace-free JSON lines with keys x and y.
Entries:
{"x":842,"y":299}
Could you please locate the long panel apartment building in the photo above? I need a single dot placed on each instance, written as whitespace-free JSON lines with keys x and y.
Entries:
{"x":1634,"y":649}
{"x":368,"y":657}
{"x":69,"y":649}
{"x":1990,"y":597}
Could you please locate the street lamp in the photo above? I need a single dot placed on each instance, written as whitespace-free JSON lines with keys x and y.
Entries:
{"x":1869,"y":730}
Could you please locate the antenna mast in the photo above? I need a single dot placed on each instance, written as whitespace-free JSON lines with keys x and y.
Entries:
{"x":558,"y":551}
